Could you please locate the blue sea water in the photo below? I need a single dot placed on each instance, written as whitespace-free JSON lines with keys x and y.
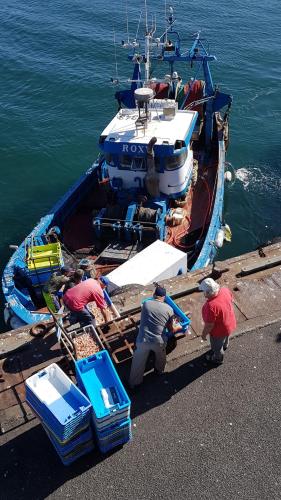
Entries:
{"x":57,"y":59}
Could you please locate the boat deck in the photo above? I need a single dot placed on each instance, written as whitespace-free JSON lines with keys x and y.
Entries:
{"x":78,"y":232}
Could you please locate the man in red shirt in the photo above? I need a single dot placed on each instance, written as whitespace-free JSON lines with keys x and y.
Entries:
{"x":77,"y":298}
{"x":219,"y":318}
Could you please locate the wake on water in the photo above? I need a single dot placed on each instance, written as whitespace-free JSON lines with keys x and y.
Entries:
{"x":255,"y":179}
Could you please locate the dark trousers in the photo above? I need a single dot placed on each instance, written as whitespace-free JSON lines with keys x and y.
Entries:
{"x":218,"y":346}
{"x":84,"y":317}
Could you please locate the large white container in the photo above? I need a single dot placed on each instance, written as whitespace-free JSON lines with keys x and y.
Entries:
{"x":156,"y":262}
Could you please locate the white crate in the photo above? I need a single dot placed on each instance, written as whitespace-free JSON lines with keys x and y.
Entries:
{"x":156,"y":262}
{"x":51,"y":385}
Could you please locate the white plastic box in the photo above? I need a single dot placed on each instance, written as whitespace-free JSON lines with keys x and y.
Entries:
{"x":156,"y":262}
{"x":57,"y":401}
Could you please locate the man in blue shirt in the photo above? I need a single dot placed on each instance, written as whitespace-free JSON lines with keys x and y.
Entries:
{"x":156,"y":317}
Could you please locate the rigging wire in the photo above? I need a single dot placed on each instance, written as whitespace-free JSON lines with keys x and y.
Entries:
{"x":165,"y":34}
{"x":137,"y":33}
{"x":127,"y":21}
{"x":165,"y":20}
{"x":115,"y":55}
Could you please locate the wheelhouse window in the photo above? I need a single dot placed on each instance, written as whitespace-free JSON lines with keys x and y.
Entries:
{"x":125,"y":162}
{"x":139,"y":164}
{"x":132,"y":163}
{"x":177,"y":160}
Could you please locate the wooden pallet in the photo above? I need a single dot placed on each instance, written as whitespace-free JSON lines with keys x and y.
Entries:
{"x":119,"y":337}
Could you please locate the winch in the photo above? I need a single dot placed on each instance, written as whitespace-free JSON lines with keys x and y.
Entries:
{"x":136,"y":222}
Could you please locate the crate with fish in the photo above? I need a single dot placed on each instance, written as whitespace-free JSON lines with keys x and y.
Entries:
{"x":86,"y":342}
{"x":58,"y":402}
{"x":98,"y":379}
{"x":96,"y":312}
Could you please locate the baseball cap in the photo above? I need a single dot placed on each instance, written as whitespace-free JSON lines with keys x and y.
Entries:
{"x":160,"y":291}
{"x":87,"y":264}
{"x":209,"y":285}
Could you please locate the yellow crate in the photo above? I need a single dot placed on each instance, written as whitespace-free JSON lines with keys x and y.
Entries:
{"x":44,"y":256}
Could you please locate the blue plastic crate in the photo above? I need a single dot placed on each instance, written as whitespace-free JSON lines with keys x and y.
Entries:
{"x":95,"y":375}
{"x":58,"y":401}
{"x":183,"y":319}
{"x":61,"y":434}
{"x":70,"y":421}
{"x":118,"y":437}
{"x":41,"y":277}
{"x":119,"y":429}
{"x":80,"y":452}
{"x":115,"y":435}
{"x":67,"y":440}
{"x":120,"y":442}
{"x":85,"y":436}
{"x":49,"y":415}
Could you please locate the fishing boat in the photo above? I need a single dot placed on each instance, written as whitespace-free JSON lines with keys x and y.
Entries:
{"x":157,"y":184}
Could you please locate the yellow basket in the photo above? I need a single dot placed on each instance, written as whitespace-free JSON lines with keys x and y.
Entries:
{"x":44,"y":256}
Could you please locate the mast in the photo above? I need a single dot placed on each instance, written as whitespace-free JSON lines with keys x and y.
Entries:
{"x":168,"y":49}
{"x":147,"y":46}
{"x":147,"y":56}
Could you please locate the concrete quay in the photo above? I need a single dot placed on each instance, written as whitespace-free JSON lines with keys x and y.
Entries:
{"x":198,"y":433}
{"x":195,"y":407}
{"x":254,"y":278}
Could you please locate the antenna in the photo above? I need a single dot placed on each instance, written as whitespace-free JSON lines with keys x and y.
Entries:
{"x":166,"y":18}
{"x":145,"y":7}
{"x":153,"y":29}
{"x":171,"y":18}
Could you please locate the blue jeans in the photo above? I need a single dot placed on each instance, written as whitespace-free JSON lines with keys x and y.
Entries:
{"x":84,"y":317}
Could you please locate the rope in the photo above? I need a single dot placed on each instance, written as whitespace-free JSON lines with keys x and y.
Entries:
{"x":147,"y":214}
{"x":175,"y":239}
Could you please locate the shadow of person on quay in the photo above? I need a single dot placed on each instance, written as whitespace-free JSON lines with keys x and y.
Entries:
{"x":157,"y":389}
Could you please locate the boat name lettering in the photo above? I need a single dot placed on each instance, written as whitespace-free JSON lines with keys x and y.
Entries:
{"x":134,"y":148}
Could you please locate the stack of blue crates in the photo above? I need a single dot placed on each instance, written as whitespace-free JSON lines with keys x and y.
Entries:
{"x":63,"y":410}
{"x":98,"y":379}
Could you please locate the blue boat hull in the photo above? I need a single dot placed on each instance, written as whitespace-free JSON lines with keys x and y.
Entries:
{"x":18,"y":302}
